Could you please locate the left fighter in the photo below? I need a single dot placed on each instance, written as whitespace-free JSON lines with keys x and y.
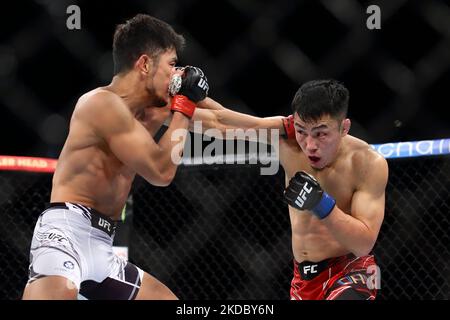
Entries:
{"x":108,"y":144}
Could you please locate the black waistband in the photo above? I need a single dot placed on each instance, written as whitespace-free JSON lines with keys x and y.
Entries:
{"x":98,"y":219}
{"x":309,"y":270}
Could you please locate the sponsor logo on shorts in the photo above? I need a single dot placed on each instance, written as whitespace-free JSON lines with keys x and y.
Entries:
{"x":56,"y":237}
{"x":104,"y":224}
{"x":69,"y":265}
{"x":310,"y":268}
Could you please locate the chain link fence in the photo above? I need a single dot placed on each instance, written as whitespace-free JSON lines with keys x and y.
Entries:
{"x":255,"y":53}
{"x":222,"y":232}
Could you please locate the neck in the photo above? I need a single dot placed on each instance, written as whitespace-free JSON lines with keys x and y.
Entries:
{"x":339,"y":153}
{"x":131,"y":90}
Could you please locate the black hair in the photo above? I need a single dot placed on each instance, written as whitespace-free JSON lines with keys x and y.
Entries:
{"x":142,"y":34}
{"x":321,"y":97}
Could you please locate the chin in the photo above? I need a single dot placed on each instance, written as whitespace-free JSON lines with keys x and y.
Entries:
{"x":318,"y":165}
{"x":315,"y":166}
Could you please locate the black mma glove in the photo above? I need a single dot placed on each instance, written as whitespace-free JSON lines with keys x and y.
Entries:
{"x":188,"y":89}
{"x":305,"y":193}
{"x":194,"y":84}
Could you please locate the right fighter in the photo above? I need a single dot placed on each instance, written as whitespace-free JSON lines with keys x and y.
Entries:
{"x":335,"y":189}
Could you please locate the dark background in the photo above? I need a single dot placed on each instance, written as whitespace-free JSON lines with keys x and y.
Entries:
{"x":221,"y":232}
{"x":255,"y":53}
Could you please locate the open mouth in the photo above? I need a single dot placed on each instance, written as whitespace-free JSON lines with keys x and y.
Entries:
{"x":313,"y":159}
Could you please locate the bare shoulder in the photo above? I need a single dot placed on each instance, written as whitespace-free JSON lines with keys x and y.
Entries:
{"x":362,"y":152}
{"x":98,"y":100}
{"x":102,"y":108}
{"x":290,"y":155}
{"x":366,"y":162}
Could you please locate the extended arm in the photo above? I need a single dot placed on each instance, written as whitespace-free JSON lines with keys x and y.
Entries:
{"x":214,"y":116}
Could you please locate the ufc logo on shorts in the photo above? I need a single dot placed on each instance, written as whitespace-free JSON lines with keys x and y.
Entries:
{"x":203,"y":84}
{"x":56,"y":237}
{"x":104,"y":224}
{"x":302,"y":195}
{"x":310,"y":269}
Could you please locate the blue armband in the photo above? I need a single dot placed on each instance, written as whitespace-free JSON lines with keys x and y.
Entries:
{"x":325,"y":206}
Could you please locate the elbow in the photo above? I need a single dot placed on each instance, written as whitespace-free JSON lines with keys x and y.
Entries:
{"x":165,"y":179}
{"x":161,"y":182}
{"x":168,"y":175}
{"x":364,"y":248}
{"x":361,"y":252}
{"x":161,"y":179}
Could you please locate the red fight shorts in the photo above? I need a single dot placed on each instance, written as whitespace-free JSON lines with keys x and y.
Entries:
{"x":343,"y":278}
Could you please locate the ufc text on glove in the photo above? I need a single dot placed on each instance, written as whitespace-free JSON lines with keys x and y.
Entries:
{"x":305,"y":193}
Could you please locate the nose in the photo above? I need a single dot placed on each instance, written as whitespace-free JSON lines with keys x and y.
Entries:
{"x":311,"y":144}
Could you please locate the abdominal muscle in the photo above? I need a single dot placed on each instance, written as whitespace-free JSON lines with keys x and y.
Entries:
{"x":311,"y":240}
{"x":94,"y":178}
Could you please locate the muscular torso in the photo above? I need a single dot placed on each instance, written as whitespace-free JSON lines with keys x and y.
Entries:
{"x":311,"y":239}
{"x":88,"y":172}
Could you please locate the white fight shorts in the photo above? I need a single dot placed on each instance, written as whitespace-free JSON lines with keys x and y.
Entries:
{"x":75,"y":242}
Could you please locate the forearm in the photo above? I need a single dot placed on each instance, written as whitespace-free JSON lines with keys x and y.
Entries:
{"x":224,"y":118}
{"x":171,"y":144}
{"x":210,"y":104}
{"x":350,"y":232}
{"x":228,"y":119}
{"x":214,"y":116}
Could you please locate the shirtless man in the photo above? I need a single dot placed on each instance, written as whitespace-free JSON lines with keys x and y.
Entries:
{"x":335,"y":188}
{"x":109,"y":142}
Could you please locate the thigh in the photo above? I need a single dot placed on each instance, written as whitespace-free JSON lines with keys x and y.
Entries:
{"x":352,"y":286}
{"x":126,"y":282}
{"x":122,"y":283}
{"x":153,"y":289}
{"x":50,"y":288}
{"x":53,"y":274}
{"x":350,"y":294}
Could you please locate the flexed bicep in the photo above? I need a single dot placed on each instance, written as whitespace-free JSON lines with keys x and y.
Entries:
{"x":368,"y":202}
